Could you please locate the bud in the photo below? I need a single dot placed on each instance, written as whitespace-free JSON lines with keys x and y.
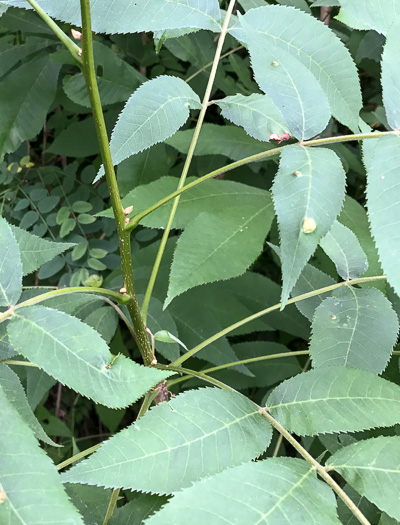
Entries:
{"x":128,"y":210}
{"x":309,"y":225}
{"x":76,"y":34}
{"x":123,"y":290}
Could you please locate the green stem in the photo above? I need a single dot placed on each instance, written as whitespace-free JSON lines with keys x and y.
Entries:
{"x":121,"y":299}
{"x":194,"y":373}
{"x":68,"y":43}
{"x":78,"y":456}
{"x":317,"y":467}
{"x":89,"y":72}
{"x":188,"y":161}
{"x":111,"y":505}
{"x":277,"y":306}
{"x":253,"y":158}
{"x":17,"y":363}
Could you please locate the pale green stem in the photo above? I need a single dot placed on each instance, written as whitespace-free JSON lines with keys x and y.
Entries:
{"x":68,"y":43}
{"x":317,"y":466}
{"x":78,"y":456}
{"x":242,"y":322}
{"x":111,"y":505}
{"x":122,"y":299}
{"x":253,"y":158}
{"x":17,"y":363}
{"x":211,"y":63}
{"x":157,"y":263}
{"x":194,"y":373}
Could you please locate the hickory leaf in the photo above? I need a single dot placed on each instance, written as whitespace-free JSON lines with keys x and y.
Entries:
{"x":310,"y":184}
{"x":391,"y":75}
{"x":347,"y":330}
{"x":197,"y":434}
{"x":212,"y":246}
{"x":372,"y":467}
{"x":76,"y":355}
{"x":10,"y":266}
{"x":133,"y":16}
{"x":315,"y":46}
{"x":375,"y":14}
{"x":335,"y":399}
{"x":152,"y":114}
{"x":274,"y":491}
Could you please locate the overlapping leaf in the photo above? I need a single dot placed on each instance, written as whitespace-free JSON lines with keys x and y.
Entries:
{"x":315,"y":46}
{"x":29,"y":479}
{"x":355,"y":328}
{"x":36,"y":251}
{"x":375,"y":14}
{"x":24,"y":105}
{"x":372,"y":467}
{"x":391,"y":75}
{"x":310,"y":184}
{"x":335,"y":399}
{"x":197,"y":434}
{"x":256,"y":113}
{"x":274,"y":491}
{"x":77,"y":356}
{"x":133,"y":16}
{"x":341,"y":245}
{"x":383,"y":194}
{"x":219,"y":246}
{"x":10,"y":266}
{"x":152,"y":114}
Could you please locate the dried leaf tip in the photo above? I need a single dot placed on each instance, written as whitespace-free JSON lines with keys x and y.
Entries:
{"x":309,"y":225}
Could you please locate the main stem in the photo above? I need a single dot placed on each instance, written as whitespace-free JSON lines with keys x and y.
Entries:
{"x":188,"y":161}
{"x":88,"y":69}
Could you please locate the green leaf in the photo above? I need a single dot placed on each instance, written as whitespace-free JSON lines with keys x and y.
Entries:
{"x":257,"y":114}
{"x":79,"y":251}
{"x":167,"y":337}
{"x":36,"y":251}
{"x":197,"y":434}
{"x":218,"y":246}
{"x":17,"y":98}
{"x":372,"y":467}
{"x":85,"y":218}
{"x":117,"y":82}
{"x":77,"y":356}
{"x":308,"y":193}
{"x":341,"y":245}
{"x":276,"y":491}
{"x":391,"y":75}
{"x":355,"y":328}
{"x":6,"y":350}
{"x":375,"y":14}
{"x":38,"y":383}
{"x":10,"y":266}
{"x":383,"y":194}
{"x":324,"y":55}
{"x":15,"y":394}
{"x":137,"y":510}
{"x":335,"y":399}
{"x":92,"y":502}
{"x":134,"y":16}
{"x":82,"y":207}
{"x":28,"y":476}
{"x":104,"y":320}
{"x":67,"y":227}
{"x":164,"y":104}
{"x":159,"y":319}
{"x":230,"y":141}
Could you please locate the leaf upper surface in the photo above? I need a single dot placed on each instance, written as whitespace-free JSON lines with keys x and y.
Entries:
{"x":317,"y":48}
{"x":276,"y":491}
{"x":133,"y":16}
{"x":335,"y":399}
{"x":197,"y":434}
{"x":10,"y":266}
{"x":156,"y":110}
{"x":76,"y":355}
{"x":355,"y":328}
{"x":310,"y":184}
{"x":391,"y":75}
{"x":376,"y":14}
{"x":372,"y":467}
{"x":28,"y":476}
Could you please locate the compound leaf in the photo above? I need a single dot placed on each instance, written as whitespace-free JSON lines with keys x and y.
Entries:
{"x":355,"y":328}
{"x":197,"y":434}
{"x":308,"y":193}
{"x":315,"y":46}
{"x":274,"y":491}
{"x":335,"y":399}
{"x":375,"y":14}
{"x":341,"y":245}
{"x":152,"y":114}
{"x":372,"y":467}
{"x":256,"y":113}
{"x":383,"y":194}
{"x":35,"y":498}
{"x":219,"y":246}
{"x":10,"y":266}
{"x":391,"y":75}
{"x":133,"y":16}
{"x":35,"y":251}
{"x":76,"y":355}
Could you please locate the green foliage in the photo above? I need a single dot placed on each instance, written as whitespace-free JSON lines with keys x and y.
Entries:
{"x":230,"y":430}
{"x":376,"y":14}
{"x":10,"y":267}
